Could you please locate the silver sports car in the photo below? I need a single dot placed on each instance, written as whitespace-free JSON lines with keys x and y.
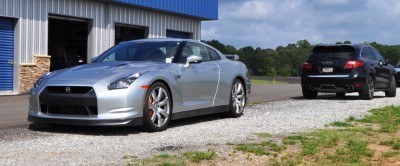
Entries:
{"x":144,"y":82}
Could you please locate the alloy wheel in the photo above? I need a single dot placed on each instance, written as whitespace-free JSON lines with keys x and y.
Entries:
{"x":159,"y":106}
{"x":238,"y":97}
{"x":371,"y":86}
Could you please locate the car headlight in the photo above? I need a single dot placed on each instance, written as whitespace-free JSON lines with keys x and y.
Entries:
{"x":125,"y":82}
{"x":41,"y":79}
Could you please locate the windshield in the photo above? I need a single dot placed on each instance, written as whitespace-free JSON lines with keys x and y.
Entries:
{"x":157,"y":51}
{"x":332,"y":53}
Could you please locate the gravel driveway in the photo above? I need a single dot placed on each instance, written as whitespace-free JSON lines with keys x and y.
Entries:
{"x":88,"y":146}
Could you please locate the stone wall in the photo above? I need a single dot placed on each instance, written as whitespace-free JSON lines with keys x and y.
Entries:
{"x":29,"y":73}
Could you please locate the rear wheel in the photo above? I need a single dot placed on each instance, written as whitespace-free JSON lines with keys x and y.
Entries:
{"x":392,"y":89}
{"x":309,"y":94}
{"x":367,"y":91}
{"x":237,"y":99}
{"x":340,"y":95}
{"x":157,"y":108}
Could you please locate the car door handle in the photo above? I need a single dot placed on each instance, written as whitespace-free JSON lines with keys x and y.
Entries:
{"x":11,"y":62}
{"x":214,"y":69}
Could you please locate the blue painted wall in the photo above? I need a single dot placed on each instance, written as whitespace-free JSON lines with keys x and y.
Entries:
{"x":204,"y":9}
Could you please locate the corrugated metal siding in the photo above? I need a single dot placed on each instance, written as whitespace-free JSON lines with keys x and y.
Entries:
{"x":205,"y":9}
{"x":6,"y":54}
{"x":32,"y":32}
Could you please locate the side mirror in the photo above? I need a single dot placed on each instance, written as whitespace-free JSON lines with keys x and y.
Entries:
{"x":93,"y":58}
{"x":380,"y":62}
{"x":235,"y":57}
{"x":193,"y":59}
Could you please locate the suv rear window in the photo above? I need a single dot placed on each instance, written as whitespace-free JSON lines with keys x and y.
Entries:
{"x":332,"y":52}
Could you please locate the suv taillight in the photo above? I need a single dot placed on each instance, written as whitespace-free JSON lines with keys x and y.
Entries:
{"x":307,"y":66}
{"x":353,"y":64}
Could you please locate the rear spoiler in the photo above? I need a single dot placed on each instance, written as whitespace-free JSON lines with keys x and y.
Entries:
{"x":232,"y":57}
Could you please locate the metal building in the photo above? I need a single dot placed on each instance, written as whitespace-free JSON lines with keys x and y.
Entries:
{"x":37,"y":36}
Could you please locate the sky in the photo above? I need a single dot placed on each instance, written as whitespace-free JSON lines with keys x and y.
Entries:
{"x":271,"y":23}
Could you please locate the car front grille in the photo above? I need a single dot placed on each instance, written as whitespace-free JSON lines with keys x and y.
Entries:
{"x":64,"y":100}
{"x":69,"y":110}
{"x":68,"y":89}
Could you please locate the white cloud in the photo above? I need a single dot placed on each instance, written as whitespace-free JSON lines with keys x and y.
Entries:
{"x":254,"y":9}
{"x":269,"y":24}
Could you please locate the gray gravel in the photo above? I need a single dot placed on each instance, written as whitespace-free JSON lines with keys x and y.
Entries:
{"x":89,"y":146}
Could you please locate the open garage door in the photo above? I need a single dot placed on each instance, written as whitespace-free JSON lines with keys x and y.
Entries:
{"x":127,"y":33}
{"x":179,"y":35}
{"x":6,"y":55}
{"x":68,"y":40}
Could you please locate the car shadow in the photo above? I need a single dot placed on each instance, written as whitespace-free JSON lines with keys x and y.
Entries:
{"x":333,"y":97}
{"x":85,"y":130}
{"x":117,"y":131}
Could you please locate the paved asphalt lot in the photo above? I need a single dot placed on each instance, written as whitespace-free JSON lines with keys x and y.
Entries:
{"x":13,"y":109}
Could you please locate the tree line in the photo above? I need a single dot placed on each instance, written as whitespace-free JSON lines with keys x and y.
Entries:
{"x":287,"y":60}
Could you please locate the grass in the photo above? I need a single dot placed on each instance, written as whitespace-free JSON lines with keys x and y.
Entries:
{"x":356,"y":142}
{"x":391,"y":153}
{"x":394,"y":143}
{"x":251,"y":148}
{"x":197,"y":156}
{"x":173,"y":160}
{"x":341,"y":124}
{"x":256,"y":81}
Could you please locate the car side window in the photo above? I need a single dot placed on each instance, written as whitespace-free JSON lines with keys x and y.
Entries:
{"x":194,"y":49}
{"x":378,"y":55}
{"x":367,"y":53}
{"x":213,"y":54}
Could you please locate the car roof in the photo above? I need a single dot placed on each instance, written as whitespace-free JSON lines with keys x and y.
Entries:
{"x":163,"y":39}
{"x":356,"y":45}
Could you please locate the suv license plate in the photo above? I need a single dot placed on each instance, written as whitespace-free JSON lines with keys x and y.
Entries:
{"x":327,"y":69}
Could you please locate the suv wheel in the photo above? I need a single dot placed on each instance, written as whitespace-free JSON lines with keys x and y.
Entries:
{"x":392,"y":89}
{"x":367,"y":91}
{"x":309,"y":94}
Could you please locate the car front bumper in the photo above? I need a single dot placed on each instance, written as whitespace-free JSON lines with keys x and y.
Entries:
{"x":107,"y":107}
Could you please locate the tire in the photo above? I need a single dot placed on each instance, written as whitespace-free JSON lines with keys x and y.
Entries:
{"x":309,"y":94}
{"x":237,"y":100}
{"x":367,"y":91}
{"x":340,"y":95}
{"x":392,"y":89}
{"x":153,"y":120}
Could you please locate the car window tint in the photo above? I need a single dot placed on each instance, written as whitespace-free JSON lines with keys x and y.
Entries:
{"x":378,"y":55}
{"x":194,"y":49}
{"x":367,"y":53}
{"x":213,"y":55}
{"x":332,"y":53}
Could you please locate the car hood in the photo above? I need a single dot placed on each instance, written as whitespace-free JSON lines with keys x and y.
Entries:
{"x":101,"y":71}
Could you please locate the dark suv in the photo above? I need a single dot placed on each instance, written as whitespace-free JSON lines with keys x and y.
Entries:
{"x":344,"y":69}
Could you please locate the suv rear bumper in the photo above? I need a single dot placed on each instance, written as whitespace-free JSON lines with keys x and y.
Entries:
{"x":333,"y":83}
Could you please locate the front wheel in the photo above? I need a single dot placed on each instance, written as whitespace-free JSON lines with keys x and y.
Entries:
{"x":157,"y":108}
{"x":392,"y":89}
{"x":237,"y":99}
{"x":368,"y":90}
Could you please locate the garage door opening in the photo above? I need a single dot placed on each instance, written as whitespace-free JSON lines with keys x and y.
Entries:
{"x":68,"y":40}
{"x":127,"y":33}
{"x":179,"y":35}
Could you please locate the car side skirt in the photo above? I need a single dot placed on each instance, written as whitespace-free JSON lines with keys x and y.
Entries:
{"x":199,"y":112}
